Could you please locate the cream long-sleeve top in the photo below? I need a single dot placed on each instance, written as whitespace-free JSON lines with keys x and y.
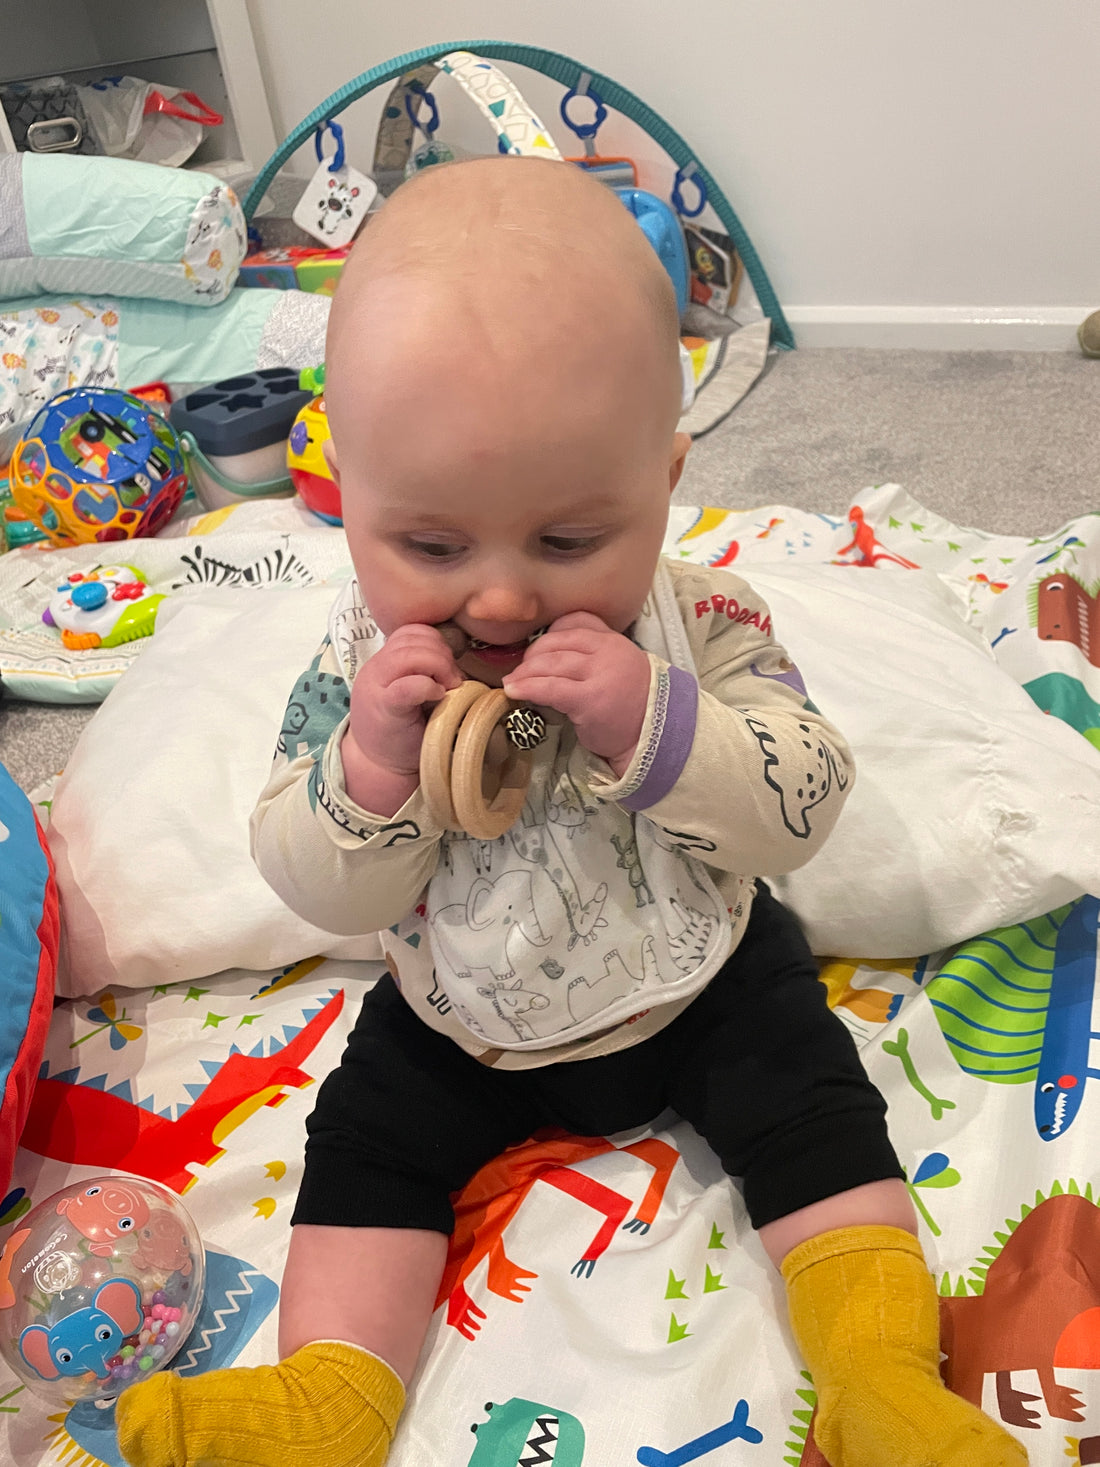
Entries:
{"x":612,"y":901}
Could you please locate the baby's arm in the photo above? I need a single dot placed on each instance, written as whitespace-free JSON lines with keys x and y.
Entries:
{"x":738,"y":767}
{"x":341,"y":832}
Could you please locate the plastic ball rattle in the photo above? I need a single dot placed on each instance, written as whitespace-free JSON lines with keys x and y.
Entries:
{"x":475,"y":761}
{"x":99,"y":1286}
{"x":97,"y":464}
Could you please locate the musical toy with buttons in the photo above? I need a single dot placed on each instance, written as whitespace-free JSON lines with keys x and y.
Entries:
{"x":98,"y":464}
{"x":99,"y":1286}
{"x":102,"y":607}
{"x":307,"y":465}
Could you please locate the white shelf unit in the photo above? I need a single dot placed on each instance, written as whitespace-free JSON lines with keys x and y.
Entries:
{"x":204,"y":46}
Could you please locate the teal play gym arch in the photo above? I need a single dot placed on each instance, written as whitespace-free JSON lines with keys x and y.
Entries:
{"x":576,"y":78}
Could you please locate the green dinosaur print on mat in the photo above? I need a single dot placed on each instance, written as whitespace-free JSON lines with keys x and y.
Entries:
{"x":991,"y":999}
{"x":1016,"y":1005}
{"x":520,"y":1431}
{"x":1067,"y":698}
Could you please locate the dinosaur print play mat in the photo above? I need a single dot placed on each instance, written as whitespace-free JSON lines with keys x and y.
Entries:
{"x":605,"y":1302}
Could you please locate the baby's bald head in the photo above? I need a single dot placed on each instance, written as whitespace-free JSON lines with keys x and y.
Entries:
{"x":505,"y":289}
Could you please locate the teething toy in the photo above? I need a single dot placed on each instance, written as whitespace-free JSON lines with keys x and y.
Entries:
{"x":102,"y":607}
{"x":475,"y":761}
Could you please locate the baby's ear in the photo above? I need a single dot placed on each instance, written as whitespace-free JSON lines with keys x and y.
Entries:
{"x":681,"y":442}
{"x":329,"y":450}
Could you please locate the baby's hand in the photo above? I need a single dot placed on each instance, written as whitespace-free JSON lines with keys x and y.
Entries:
{"x":598,"y":678}
{"x":381,"y":749}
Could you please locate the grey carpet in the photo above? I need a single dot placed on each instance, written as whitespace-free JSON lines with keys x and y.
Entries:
{"x":1004,"y":441}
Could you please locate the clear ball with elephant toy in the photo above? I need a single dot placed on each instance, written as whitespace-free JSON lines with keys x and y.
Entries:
{"x":100,"y":1285}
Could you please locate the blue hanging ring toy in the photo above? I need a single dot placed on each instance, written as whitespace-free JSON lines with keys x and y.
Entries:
{"x":418,"y":89}
{"x":683,"y":175}
{"x":338,"y":133}
{"x":584,"y":130}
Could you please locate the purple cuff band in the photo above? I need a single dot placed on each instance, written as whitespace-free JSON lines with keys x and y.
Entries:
{"x":670,"y":742}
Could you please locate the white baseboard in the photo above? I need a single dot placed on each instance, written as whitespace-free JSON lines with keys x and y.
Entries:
{"x":940,"y":328}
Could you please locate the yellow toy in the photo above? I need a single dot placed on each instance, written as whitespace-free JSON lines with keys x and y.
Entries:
{"x":307,"y":465}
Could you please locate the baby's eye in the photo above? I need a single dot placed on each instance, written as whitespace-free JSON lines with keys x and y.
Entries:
{"x":569,"y":544}
{"x":435,"y":549}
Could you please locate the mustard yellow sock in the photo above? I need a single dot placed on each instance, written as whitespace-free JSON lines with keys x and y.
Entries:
{"x":865,"y":1315}
{"x":327,"y":1403}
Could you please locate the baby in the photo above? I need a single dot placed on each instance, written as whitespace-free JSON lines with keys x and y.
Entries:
{"x":504,"y":391}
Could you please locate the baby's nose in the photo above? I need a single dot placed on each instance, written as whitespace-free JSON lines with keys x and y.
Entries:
{"x":503,"y":601}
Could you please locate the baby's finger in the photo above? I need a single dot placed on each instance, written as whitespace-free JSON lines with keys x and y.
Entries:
{"x":425,"y":658}
{"x":579,"y":621}
{"x":419,"y":634}
{"x":412,"y":692}
{"x":565,"y":695}
{"x":580,"y":641}
{"x":417,"y":631}
{"x":564,"y":662}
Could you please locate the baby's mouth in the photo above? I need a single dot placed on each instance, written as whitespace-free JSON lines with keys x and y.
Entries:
{"x":502,"y":649}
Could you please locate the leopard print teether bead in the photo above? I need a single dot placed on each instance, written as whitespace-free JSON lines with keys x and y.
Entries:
{"x":525,"y":728}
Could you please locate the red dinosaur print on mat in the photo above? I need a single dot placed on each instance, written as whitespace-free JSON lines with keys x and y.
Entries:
{"x":493,"y":1196}
{"x":1040,"y":1309}
{"x":869,"y":550}
{"x":88,"y":1127}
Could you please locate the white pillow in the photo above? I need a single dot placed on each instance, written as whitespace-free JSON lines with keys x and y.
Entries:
{"x":149,"y":823}
{"x":971,"y":809}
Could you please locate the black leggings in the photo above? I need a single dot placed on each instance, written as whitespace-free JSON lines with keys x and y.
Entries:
{"x":757,"y":1064}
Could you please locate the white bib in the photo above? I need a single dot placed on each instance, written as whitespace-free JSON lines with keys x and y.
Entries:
{"x":583,"y":914}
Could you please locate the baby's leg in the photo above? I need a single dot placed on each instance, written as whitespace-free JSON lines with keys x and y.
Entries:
{"x":773,"y":1081}
{"x":403,"y":1123}
{"x":374,"y":1287}
{"x":356,"y":1303}
{"x":865,"y":1315}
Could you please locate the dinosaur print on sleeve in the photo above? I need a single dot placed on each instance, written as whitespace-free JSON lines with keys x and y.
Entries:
{"x":318,"y":702}
{"x":800,"y":786}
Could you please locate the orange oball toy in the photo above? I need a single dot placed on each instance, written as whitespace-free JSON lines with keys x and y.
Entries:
{"x":98,"y":464}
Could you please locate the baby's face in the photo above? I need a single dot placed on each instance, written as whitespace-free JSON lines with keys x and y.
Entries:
{"x":501,"y":521}
{"x":503,"y":394}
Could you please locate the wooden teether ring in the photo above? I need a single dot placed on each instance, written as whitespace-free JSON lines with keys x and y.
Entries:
{"x":437,"y":750}
{"x":473,"y":774}
{"x":488,"y":787}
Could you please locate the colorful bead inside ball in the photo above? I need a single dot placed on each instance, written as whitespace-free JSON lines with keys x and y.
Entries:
{"x":106,"y":1280}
